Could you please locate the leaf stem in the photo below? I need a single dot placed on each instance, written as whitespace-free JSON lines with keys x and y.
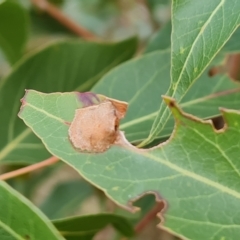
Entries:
{"x":148,"y":217}
{"x":55,"y":13}
{"x":21,"y":171}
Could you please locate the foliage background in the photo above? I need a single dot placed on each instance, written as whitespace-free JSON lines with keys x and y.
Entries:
{"x":38,"y":51}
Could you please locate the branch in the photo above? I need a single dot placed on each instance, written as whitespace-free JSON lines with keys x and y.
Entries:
{"x":21,"y":171}
{"x":233,"y":66}
{"x":55,"y":13}
{"x":148,"y":217}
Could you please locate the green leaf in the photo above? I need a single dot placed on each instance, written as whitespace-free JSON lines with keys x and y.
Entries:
{"x":65,"y":199}
{"x":20,"y":219}
{"x":161,"y":39}
{"x":198,"y":34}
{"x":196,"y":172}
{"x":64,"y":66}
{"x":142,"y":90}
{"x":14,"y":25}
{"x":87,"y":226}
{"x":233,"y":44}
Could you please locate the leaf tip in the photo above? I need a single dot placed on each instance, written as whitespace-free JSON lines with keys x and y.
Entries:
{"x":169,"y":101}
{"x":173,"y":106}
{"x":23,"y":102}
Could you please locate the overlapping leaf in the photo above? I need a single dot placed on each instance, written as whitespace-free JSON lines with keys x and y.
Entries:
{"x":143,"y":89}
{"x":85,"y":227}
{"x":64,"y":66}
{"x":196,"y":172}
{"x":199,"y":31}
{"x":19,"y":219}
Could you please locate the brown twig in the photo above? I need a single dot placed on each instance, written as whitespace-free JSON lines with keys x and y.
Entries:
{"x":148,"y":217}
{"x":21,"y":171}
{"x":55,"y":13}
{"x":233,"y":66}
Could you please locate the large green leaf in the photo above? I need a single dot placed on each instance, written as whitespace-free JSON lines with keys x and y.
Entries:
{"x":85,"y":227}
{"x":20,"y":219}
{"x":199,"y":31}
{"x":64,"y":66}
{"x":142,"y":90}
{"x":14,"y":24}
{"x":196,"y":172}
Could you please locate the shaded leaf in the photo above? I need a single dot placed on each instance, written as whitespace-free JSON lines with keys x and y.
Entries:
{"x":14,"y":24}
{"x":20,"y":219}
{"x":85,"y":227}
{"x":233,"y":44}
{"x":143,"y":89}
{"x":64,"y":66}
{"x":161,"y":39}
{"x":196,"y":172}
{"x":65,"y":199}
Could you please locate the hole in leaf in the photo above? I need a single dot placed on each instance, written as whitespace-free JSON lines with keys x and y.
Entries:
{"x":218,"y":122}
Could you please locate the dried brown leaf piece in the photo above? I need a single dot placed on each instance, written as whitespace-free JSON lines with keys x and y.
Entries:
{"x":96,"y":128}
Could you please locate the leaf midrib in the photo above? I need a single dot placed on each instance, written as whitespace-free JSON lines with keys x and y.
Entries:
{"x":9,"y":230}
{"x":193,"y":45}
{"x":185,"y":104}
{"x":184,"y":172}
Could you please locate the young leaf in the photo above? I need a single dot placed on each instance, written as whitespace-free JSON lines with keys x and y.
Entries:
{"x":20,"y":219}
{"x":143,"y":89}
{"x":85,"y":226}
{"x":196,"y":172}
{"x":64,"y":66}
{"x":198,"y":34}
{"x":14,"y":24}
